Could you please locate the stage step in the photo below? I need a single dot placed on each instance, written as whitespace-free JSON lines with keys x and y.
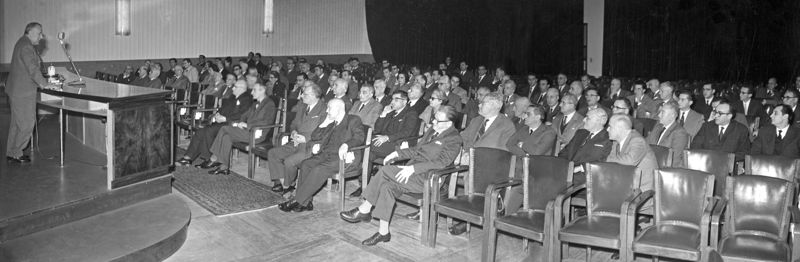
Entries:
{"x":148,"y":231}
{"x":39,"y":220}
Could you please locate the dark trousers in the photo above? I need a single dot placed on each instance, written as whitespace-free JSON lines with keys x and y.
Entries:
{"x":384,"y":189}
{"x":223,"y":143}
{"x":382,"y":151}
{"x":313,"y":174}
{"x":284,"y":160}
{"x":21,"y":123}
{"x":202,"y":140}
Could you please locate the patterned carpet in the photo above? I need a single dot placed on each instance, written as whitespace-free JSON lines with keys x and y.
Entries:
{"x":224,"y":195}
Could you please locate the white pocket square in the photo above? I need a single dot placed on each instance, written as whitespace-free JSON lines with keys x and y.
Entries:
{"x":438,"y":142}
{"x":600,"y":145}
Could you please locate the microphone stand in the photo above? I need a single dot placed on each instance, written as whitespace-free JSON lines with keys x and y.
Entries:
{"x":77,"y":83}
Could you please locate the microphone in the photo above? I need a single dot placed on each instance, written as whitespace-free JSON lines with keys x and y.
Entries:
{"x":78,"y":83}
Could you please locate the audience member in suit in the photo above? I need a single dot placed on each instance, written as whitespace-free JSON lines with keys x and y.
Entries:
{"x":491,"y":128}
{"x":430,"y":85}
{"x":291,"y":70}
{"x":275,"y":87}
{"x":666,"y":95}
{"x":780,"y":138}
{"x":397,"y":123}
{"x":262,"y":112}
{"x":539,"y":95}
{"x":142,"y":77}
{"x":154,"y":80}
{"x":466,"y":76}
{"x":340,"y":91}
{"x":170,"y":73}
{"x":457,"y":90}
{"x":738,"y":118}
{"x":643,"y":104}
{"x":347,"y":132}
{"x":551,"y":106}
{"x":748,"y":106}
{"x":380,"y":93}
{"x":499,"y":79}
{"x":321,"y":78}
{"x":437,"y":149}
{"x":284,"y":159}
{"x":518,"y":112}
{"x":415,"y":101}
{"x":399,"y":83}
{"x":127,"y":76}
{"x":562,"y":85}
{"x":688,"y":118}
{"x":668,"y":132}
{"x":483,"y":78}
{"x":531,"y":86}
{"x":509,"y":97}
{"x":590,"y":144}
{"x":615,"y":91}
{"x":630,"y":148}
{"x":586,"y":81}
{"x":366,"y":108}
{"x":217,"y":84}
{"x":453,"y":99}
{"x":790,"y":100}
{"x":723,"y":134}
{"x":533,"y":138}
{"x":592,"y":102}
{"x":179,"y":81}
{"x":231,"y":111}
{"x":770,"y":92}
{"x":190,"y":71}
{"x":654,"y":86}
{"x":437,"y":100}
{"x":623,"y":106}
{"x":576,"y":89}
{"x":352,"y":85}
{"x":703,"y":105}
{"x":471,"y":107}
{"x":328,"y":94}
{"x":568,"y":121}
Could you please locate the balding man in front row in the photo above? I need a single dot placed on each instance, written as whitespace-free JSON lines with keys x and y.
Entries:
{"x":630,"y":148}
{"x":668,"y":132}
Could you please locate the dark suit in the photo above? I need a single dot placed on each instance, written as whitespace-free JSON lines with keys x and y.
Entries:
{"x":179,"y":83}
{"x":398,"y":127}
{"x":644,"y":107}
{"x":23,"y":80}
{"x":608,"y":100}
{"x":702,"y":107}
{"x":675,"y":137}
{"x":454,"y":100}
{"x":754,"y":109}
{"x":385,"y":100}
{"x":550,"y":113}
{"x":155,"y":83}
{"x":583,"y":149}
{"x":284,"y":159}
{"x":566,"y":133}
{"x":538,"y":97}
{"x":418,"y":107}
{"x":467,"y":78}
{"x":125,"y":80}
{"x":471,"y":109}
{"x":635,"y":152}
{"x":232,"y":109}
{"x":430,"y":154}
{"x":692,"y":123}
{"x":260,"y":113}
{"x":541,"y":141}
{"x":735,"y":139}
{"x":315,"y":170}
{"x":322,"y":82}
{"x":142,"y":81}
{"x":486,"y":81}
{"x":767,"y":143}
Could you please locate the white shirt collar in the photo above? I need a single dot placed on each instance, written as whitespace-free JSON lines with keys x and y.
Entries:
{"x":568,"y":117}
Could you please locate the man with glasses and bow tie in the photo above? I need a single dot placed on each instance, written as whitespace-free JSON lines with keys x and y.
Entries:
{"x":722,"y":134}
{"x":779,"y":139}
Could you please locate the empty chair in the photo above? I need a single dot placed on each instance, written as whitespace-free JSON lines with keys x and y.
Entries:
{"x":718,"y":163}
{"x":773,"y":166}
{"x":544,"y":178}
{"x":609,"y":189}
{"x":490,"y":169}
{"x":757,"y":213}
{"x":663,"y":155}
{"x":679,"y":231}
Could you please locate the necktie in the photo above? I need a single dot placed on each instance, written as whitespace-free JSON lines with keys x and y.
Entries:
{"x":780,"y":134}
{"x":563,"y":124}
{"x":435,"y":134}
{"x":482,"y":129}
{"x":589,"y":137}
{"x":530,"y":132}
{"x":660,"y":133}
{"x":683,"y":118}
{"x":391,"y":114}
{"x":721,"y":132}
{"x":360,"y":107}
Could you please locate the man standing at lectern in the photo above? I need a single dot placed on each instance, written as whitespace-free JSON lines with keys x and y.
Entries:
{"x":24,"y":79}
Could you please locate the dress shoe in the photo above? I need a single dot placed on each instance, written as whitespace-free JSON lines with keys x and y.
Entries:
{"x":354,"y":216}
{"x":277,"y":188}
{"x":21,"y":159}
{"x":205,"y":162}
{"x":288,"y":205}
{"x":184,"y":162}
{"x":209,"y":164}
{"x":301,"y":208}
{"x":377,"y":238}
{"x":458,"y":228}
{"x":356,"y":193}
{"x":413,"y":215}
{"x":220,"y":171}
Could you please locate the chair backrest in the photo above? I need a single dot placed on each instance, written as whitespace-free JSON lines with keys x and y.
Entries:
{"x":663,"y":155}
{"x":772,"y":166}
{"x":545,"y":177}
{"x":759,"y":205}
{"x":487,"y":166}
{"x":280,"y":118}
{"x":194,"y":94}
{"x":98,"y":75}
{"x":715,"y":162}
{"x":674,"y":188}
{"x":607,"y":187}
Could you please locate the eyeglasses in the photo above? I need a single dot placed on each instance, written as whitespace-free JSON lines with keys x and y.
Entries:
{"x":436,"y":98}
{"x":397,"y":98}
{"x":720,"y":113}
{"x":789,"y":97}
{"x":440,"y":121}
{"x":623,"y":108}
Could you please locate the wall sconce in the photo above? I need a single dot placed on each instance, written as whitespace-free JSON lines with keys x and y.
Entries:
{"x":123,"y":17}
{"x":268,"y":26}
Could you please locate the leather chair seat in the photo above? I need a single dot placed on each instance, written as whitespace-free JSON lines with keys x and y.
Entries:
{"x":680,"y":242}
{"x":600,"y":231}
{"x":469,"y":208}
{"x":753,"y":248}
{"x":528,"y":223}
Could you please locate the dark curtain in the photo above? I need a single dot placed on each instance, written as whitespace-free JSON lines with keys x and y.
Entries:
{"x":521,"y":36}
{"x":740,"y":40}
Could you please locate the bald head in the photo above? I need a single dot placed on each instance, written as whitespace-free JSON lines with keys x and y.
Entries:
{"x":619,"y":126}
{"x":336,"y":109}
{"x":339,"y":87}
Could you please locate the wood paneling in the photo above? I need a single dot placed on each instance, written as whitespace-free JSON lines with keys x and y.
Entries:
{"x":186,"y":28}
{"x":141,"y":143}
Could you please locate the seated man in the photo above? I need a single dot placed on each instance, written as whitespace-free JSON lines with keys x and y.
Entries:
{"x":779,"y":139}
{"x":346,"y":132}
{"x":471,"y":107}
{"x":231,"y":110}
{"x":284,"y":159}
{"x":155,"y":77}
{"x":262,"y":112}
{"x":534,"y":138}
{"x":590,"y":144}
{"x":631,"y":149}
{"x":722,"y":134}
{"x":340,"y":91}
{"x":568,"y":121}
{"x":436,"y":150}
{"x":367,"y":108}
{"x":179,"y":81}
{"x":519,"y":111}
{"x":142,"y":78}
{"x":669,"y":133}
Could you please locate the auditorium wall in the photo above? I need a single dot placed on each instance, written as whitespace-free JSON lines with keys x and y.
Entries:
{"x":186,"y":28}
